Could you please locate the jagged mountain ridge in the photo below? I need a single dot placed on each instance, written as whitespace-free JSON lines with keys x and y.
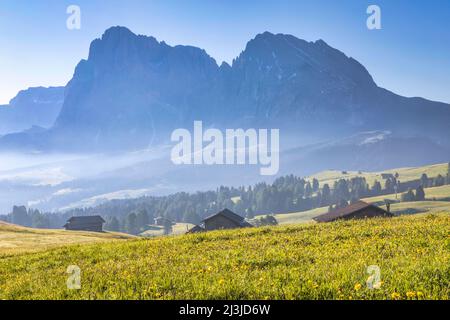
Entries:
{"x":132,"y":91}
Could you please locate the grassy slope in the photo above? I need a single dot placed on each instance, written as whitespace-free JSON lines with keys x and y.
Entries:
{"x":319,"y":261}
{"x":437,"y":193}
{"x":179,"y":228}
{"x":15,"y":239}
{"x":406,"y":174}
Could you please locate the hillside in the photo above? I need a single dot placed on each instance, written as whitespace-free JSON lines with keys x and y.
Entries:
{"x":18,"y":240}
{"x":401,"y":208}
{"x":405,"y":174}
{"x":320,"y":261}
{"x":433,"y":194}
{"x":437,"y":200}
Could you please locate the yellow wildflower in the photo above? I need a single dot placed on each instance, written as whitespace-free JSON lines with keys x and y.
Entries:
{"x":395,"y":296}
{"x":357,"y":286}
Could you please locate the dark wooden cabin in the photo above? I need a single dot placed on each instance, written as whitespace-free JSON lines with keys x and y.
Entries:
{"x":225,"y":219}
{"x":358,"y":210}
{"x":86,"y":223}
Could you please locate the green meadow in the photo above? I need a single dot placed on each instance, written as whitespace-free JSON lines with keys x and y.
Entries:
{"x":304,"y":261}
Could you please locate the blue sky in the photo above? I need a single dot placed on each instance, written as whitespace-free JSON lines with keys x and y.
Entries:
{"x":410,"y":55}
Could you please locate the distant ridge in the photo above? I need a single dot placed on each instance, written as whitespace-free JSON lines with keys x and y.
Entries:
{"x":37,"y":106}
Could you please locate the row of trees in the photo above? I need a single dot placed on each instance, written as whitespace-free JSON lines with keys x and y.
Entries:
{"x":132,"y":223}
{"x":28,"y":217}
{"x":285,"y":194}
{"x":438,"y":181}
{"x":411,"y":195}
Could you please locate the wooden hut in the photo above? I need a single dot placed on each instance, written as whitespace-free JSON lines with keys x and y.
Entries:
{"x":225,"y":219}
{"x":85,"y":223}
{"x":358,"y":210}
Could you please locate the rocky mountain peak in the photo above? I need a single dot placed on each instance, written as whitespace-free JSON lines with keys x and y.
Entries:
{"x":133,"y":87}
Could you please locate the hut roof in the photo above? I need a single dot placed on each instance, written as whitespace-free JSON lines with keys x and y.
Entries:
{"x":342,"y":212}
{"x":86,"y":219}
{"x":231,"y":216}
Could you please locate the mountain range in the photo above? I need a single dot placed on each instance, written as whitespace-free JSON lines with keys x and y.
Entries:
{"x":36,"y":107}
{"x":133,"y":91}
{"x":105,"y":135}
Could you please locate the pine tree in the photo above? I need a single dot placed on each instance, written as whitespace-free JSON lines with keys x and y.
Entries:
{"x":408,"y":196}
{"x":341,"y":190}
{"x":20,"y":216}
{"x":113,"y":224}
{"x":308,"y":190}
{"x":326,"y":195}
{"x":388,"y":186}
{"x":424,"y":180}
{"x":167,"y":227}
{"x":315,"y":185}
{"x":420,"y":194}
{"x":191,"y":217}
{"x":38,"y":220}
{"x":142,"y":219}
{"x":439,"y":181}
{"x":131,"y":224}
{"x":376,"y":188}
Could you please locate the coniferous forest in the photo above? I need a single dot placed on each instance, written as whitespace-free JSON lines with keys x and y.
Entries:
{"x":286,"y":194}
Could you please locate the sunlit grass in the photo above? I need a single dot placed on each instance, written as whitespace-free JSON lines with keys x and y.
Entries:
{"x":406,"y":174}
{"x":15,"y":239}
{"x":317,"y":261}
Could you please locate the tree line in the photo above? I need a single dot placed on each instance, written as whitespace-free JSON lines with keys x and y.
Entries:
{"x":286,"y":194}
